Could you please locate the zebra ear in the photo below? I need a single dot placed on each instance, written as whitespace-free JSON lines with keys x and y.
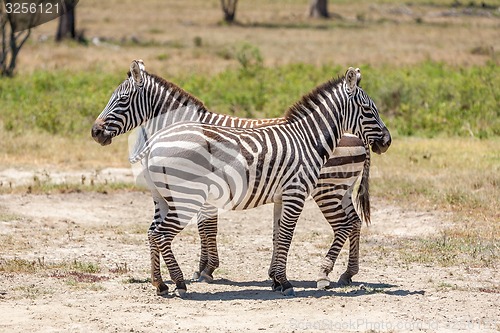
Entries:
{"x":358,"y":75}
{"x":351,"y":79}
{"x":135,"y":71}
{"x":141,"y":64}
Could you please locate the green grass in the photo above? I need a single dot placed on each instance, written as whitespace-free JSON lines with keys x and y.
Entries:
{"x":133,"y":280}
{"x":8,"y":216}
{"x":32,"y":292}
{"x":452,"y":249}
{"x":434,"y":99}
{"x":429,"y":99}
{"x":80,"y":274}
{"x":85,"y":267}
{"x":58,"y":102}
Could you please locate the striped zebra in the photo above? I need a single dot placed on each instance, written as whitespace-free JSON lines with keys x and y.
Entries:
{"x":332,"y":194}
{"x":179,"y":157}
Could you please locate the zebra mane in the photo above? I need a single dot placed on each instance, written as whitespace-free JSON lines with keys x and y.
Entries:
{"x":297,"y":109}
{"x":176,"y":90}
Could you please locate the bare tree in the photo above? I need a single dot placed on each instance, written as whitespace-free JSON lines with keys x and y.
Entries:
{"x":229,"y":9}
{"x":67,"y":22}
{"x":12,"y":41}
{"x":319,"y":8}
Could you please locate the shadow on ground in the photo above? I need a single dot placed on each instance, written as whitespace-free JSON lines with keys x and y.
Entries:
{"x":261,"y":290}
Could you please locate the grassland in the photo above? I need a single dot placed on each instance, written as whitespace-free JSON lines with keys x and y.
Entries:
{"x":432,"y":70}
{"x":429,"y":99}
{"x":74,"y":252}
{"x":455,"y":175}
{"x":180,"y":38}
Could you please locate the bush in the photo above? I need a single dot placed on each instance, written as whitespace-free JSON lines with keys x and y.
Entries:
{"x":61,"y":102}
{"x":427,"y":99}
{"x":434,"y":99}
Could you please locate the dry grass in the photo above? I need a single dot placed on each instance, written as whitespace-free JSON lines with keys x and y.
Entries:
{"x":178,"y":37}
{"x":457,"y":175}
{"x":18,"y":265}
{"x":42,"y":150}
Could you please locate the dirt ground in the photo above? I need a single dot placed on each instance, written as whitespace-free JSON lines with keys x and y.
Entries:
{"x":108,"y":231}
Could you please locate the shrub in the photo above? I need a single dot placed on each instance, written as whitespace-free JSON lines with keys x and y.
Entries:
{"x":427,"y":99}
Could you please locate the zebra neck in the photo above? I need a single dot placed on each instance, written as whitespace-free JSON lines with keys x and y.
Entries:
{"x":167,"y":103}
{"x":170,"y":105}
{"x":321,"y":113}
{"x":320,"y":125}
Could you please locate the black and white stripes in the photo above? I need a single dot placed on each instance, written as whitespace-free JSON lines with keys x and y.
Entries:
{"x":192,"y":164}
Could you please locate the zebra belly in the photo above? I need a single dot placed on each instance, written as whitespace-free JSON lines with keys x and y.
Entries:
{"x":190,"y":176}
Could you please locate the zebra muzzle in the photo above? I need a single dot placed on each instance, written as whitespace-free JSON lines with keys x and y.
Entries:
{"x":380,"y":146}
{"x":100,"y":134}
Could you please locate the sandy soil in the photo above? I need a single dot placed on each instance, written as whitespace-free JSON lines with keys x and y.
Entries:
{"x":109,"y":230}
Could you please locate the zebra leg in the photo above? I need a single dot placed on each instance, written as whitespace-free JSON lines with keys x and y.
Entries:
{"x":291,"y":208}
{"x":330,"y":205}
{"x":209,"y":214}
{"x":276,"y":224}
{"x":162,"y":238}
{"x":353,"y":265}
{"x":342,"y":230}
{"x":203,"y":246}
{"x":156,"y":278}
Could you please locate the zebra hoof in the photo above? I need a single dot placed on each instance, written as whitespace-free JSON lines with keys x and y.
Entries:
{"x":162,"y":290}
{"x":276,"y":286}
{"x":204,"y":277}
{"x":344,"y":280}
{"x":323,"y":284}
{"x":180,"y":289}
{"x":181,"y":293}
{"x":287,"y":289}
{"x":289,"y":292}
{"x":196,"y":276}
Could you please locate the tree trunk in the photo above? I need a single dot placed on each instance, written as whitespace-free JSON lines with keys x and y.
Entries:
{"x":319,"y":8}
{"x":66,"y":27}
{"x":11,"y":43}
{"x":229,"y":9}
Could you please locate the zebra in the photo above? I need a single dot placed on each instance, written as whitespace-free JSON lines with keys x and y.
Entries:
{"x":333,"y":192}
{"x":336,"y":177}
{"x":332,"y":108}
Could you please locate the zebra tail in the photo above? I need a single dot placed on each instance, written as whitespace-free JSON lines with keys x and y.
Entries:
{"x":363,"y":195}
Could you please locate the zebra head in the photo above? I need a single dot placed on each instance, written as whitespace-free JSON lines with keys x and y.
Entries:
{"x":362,"y":117}
{"x":126,"y":109}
